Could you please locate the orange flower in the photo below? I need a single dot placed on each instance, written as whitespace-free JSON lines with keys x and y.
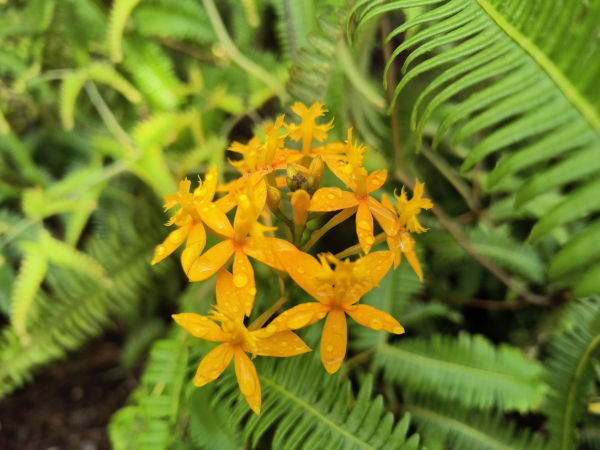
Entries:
{"x":308,"y":129}
{"x":409,"y":210}
{"x":196,"y":209}
{"x":356,"y":178}
{"x":257,"y":156}
{"x":250,"y":204}
{"x":337,"y":292}
{"x":237,"y":341}
{"x":402,"y":242}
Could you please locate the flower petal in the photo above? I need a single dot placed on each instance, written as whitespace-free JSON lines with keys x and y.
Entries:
{"x":283,"y":344}
{"x":411,"y":257}
{"x":395,"y":246}
{"x":226,"y":203}
{"x":304,"y":269}
{"x":376,"y":180}
{"x":210,"y":183}
{"x":386,"y":218}
{"x":378,"y":264}
{"x":267,"y":250}
{"x":334,"y":340}
{"x":297,"y":317}
{"x":171,"y":243}
{"x":200,"y":326}
{"x":207,"y":265}
{"x":243,"y":280}
{"x":338,"y":168}
{"x":385,"y":201}
{"x":215,"y":219}
{"x":247,"y":379}
{"x":227,"y":296}
{"x":364,"y":227}
{"x":332,"y":199}
{"x":196,"y":242}
{"x":373,"y":318}
{"x":213,"y":364}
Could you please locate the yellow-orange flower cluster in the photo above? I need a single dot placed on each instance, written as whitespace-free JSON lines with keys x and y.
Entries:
{"x":256,"y":194}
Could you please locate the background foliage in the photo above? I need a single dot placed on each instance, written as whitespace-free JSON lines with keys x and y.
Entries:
{"x":104,"y":106}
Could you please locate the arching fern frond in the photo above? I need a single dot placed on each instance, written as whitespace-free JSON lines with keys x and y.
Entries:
{"x":571,"y":372}
{"x":529,"y":67}
{"x":464,"y":429}
{"x":119,"y":15}
{"x":307,"y":409}
{"x":149,"y":423}
{"x":469,"y":370}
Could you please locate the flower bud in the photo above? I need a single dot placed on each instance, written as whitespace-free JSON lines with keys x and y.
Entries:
{"x":273,"y":198}
{"x":315,"y":170}
{"x":300,"y":204}
{"x":295,"y":180}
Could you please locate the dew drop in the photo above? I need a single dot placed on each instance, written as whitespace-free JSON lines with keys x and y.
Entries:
{"x":329,"y":348}
{"x":321,"y":314}
{"x":235,"y":309}
{"x":388,"y":318}
{"x":251,"y":291}
{"x":398,"y":330}
{"x":300,"y":269}
{"x":160,"y":250}
{"x":370,"y":239}
{"x":209,"y":177}
{"x":376,"y":324}
{"x":365,"y":225}
{"x":205,"y":209}
{"x":272,"y":328}
{"x":331,"y":196}
{"x":247,"y":304}
{"x":376,"y":182}
{"x":299,"y":319}
{"x":284,"y":344}
{"x":240,"y":280}
{"x":378,"y":268}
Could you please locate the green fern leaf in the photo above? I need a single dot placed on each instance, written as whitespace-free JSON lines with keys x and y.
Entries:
{"x":106,"y":74}
{"x":570,"y":371}
{"x":69,"y":91}
{"x":464,"y":429}
{"x":532,"y":91}
{"x":119,"y":15}
{"x":31,"y":274}
{"x":306,"y":408}
{"x":468,"y":369}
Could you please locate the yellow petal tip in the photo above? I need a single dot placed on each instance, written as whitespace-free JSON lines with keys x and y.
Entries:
{"x":398,"y":330}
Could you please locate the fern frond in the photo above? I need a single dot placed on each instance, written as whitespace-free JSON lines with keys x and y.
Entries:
{"x":119,"y":15}
{"x":570,"y":371}
{"x":532,"y":93}
{"x":308,"y":409}
{"x":184,"y":19}
{"x":69,"y":90}
{"x":31,"y":274}
{"x":469,"y":369}
{"x":106,"y":74}
{"x":464,"y":429}
{"x":154,"y":413}
{"x":498,"y":247}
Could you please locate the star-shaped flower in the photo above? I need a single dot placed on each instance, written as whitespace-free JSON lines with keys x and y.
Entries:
{"x":308,"y":129}
{"x":356,"y":178}
{"x":337,"y":292}
{"x":196,"y":208}
{"x":409,"y":209}
{"x":250,"y":203}
{"x":237,"y":341}
{"x":402,"y":242}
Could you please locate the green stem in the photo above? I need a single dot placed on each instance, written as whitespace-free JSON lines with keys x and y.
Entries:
{"x":336,"y":220}
{"x":245,"y":63}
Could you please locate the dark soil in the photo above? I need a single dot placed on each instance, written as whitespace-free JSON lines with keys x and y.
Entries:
{"x":69,"y":404}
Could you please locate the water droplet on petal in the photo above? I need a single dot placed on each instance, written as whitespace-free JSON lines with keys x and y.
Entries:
{"x":329,"y":348}
{"x":364,"y":224}
{"x":236,"y":309}
{"x":205,"y":209}
{"x":331,"y":196}
{"x":283,"y":344}
{"x":376,"y":323}
{"x":388,"y":318}
{"x":209,"y":177}
{"x":252,"y":291}
{"x":321,"y":314}
{"x":398,"y":330}
{"x":370,"y":239}
{"x":299,"y":319}
{"x":160,"y":250}
{"x":240,"y":280}
{"x":272,"y":328}
{"x":300,"y":269}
